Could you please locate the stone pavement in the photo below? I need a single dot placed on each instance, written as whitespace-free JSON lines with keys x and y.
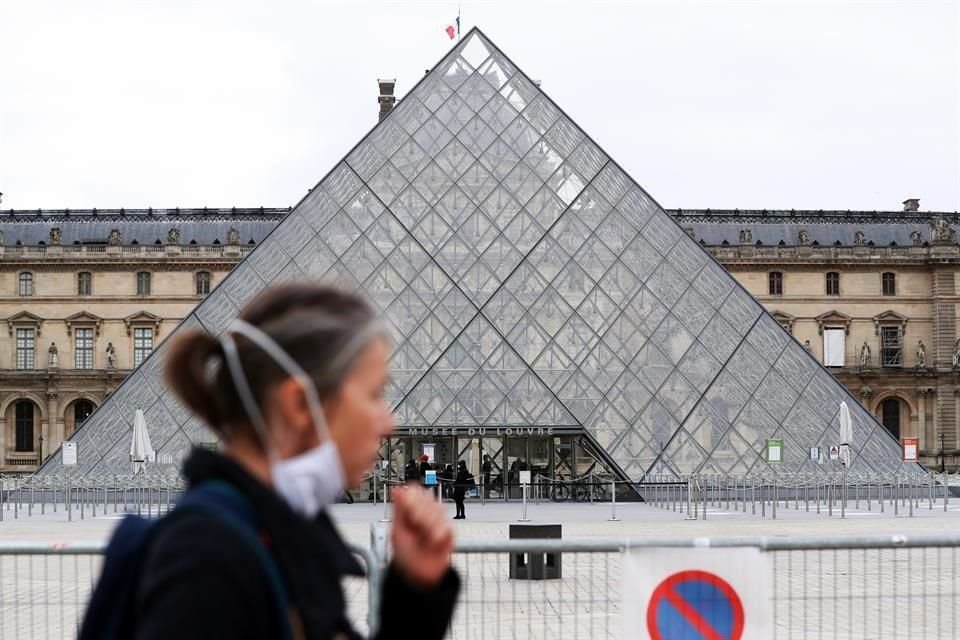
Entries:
{"x":847,"y":594}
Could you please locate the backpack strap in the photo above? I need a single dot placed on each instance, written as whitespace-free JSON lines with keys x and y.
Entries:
{"x":223,"y":501}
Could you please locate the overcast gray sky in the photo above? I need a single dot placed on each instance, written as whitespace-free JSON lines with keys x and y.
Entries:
{"x":707,"y":104}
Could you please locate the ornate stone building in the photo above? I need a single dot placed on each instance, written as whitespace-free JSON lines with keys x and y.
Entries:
{"x":87,"y":295}
{"x":873,"y":295}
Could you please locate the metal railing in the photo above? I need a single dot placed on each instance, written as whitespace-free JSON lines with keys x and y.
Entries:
{"x":822,"y":587}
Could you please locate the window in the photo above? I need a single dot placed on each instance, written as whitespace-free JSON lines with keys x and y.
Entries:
{"x":143,"y":283}
{"x":83,"y":348}
{"x":833,"y":283}
{"x":84,"y":283}
{"x":776,"y":283}
{"x":890,"y":416}
{"x":833,"y":347}
{"x":81,"y":411}
{"x":26,"y":284}
{"x":24,"y":426}
{"x":891,"y":347}
{"x":142,"y":344}
{"x":203,"y":283}
{"x":25,"y":348}
{"x":889,"y":281}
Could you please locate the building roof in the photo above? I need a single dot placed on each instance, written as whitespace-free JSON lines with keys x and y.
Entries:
{"x":145,"y":226}
{"x":880,"y":228}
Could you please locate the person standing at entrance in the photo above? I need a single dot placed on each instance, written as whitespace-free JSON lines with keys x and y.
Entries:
{"x":486,"y":468}
{"x":460,"y":486}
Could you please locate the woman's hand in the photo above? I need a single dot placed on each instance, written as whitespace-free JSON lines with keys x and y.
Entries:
{"x":422,"y":536}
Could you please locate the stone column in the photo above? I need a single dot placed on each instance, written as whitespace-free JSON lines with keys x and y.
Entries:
{"x":54,"y":435}
{"x":956,"y":423}
{"x":922,"y":412}
{"x":933,"y":440}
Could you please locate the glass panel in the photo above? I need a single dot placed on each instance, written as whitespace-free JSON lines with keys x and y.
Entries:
{"x":545,"y":207}
{"x":384,"y":285}
{"x":640,"y":257}
{"x":615,"y":232}
{"x":611,"y":183}
{"x":553,"y":366}
{"x":646,"y":311}
{"x":432,"y":183}
{"x":528,"y":339}
{"x":339,"y":234}
{"x":520,"y":136}
{"x":267,"y":261}
{"x":523,"y":232}
{"x":410,"y":114}
{"x":455,"y":207}
{"x":706,"y":426}
{"x":755,"y":425}
{"x":505,"y":368}
{"x":480,"y":282}
{"x":548,"y":257}
{"x":687,"y":258}
{"x":386,"y":233}
{"x":776,"y":396}
{"x":748,"y":367}
{"x":410,"y":207}
{"x":430,"y":338}
{"x":651,"y":367}
{"x":496,"y":70}
{"x":455,"y":310}
{"x":638,"y":208}
{"x":628,"y":395}
{"x":455,"y":72}
{"x":740,"y":310}
{"x":410,"y":159}
{"x":720,"y":338}
{"x":432,"y":231}
{"x":570,"y":233}
{"x":432,"y":136}
{"x":566,"y":184}
{"x":693,"y":311}
{"x":501,"y":258}
{"x":602,"y":366}
{"x":796,"y":366}
{"x":769,"y":338}
{"x":662,"y":233}
{"x":587,"y":159}
{"x":666,"y":284}
{"x":318,"y":208}
{"x":591,"y":208}
{"x":598,"y":310}
{"x":388,"y":136}
{"x":454,"y":159}
{"x":365,"y":159}
{"x":498,"y":114}
{"x":573,"y":284}
{"x":580,"y":396}
{"x":477,"y":183}
{"x":475,"y":92}
{"x":656,"y":426}
{"x":477,"y":136}
{"x":431,"y":92}
{"x":551,"y":311}
{"x":672,"y":339}
{"x":408,"y":258}
{"x":624,"y":337}
{"x":432,"y":284}
{"x":455,"y":112}
{"x":522,"y":182}
{"x":526,"y":284}
{"x":727,"y":396}
{"x":477,"y":231}
{"x":519,"y":92}
{"x":543,"y":160}
{"x":713,"y":283}
{"x":699,"y":367}
{"x":341,"y":184}
{"x":605,"y":424}
{"x":504,"y":311}
{"x":455,"y":257}
{"x":541,"y":113}
{"x":564,"y":136}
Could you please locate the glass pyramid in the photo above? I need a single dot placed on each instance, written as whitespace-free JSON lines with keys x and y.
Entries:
{"x":530,"y":282}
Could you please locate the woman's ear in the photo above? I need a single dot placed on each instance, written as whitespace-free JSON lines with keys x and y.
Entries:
{"x":292,"y":406}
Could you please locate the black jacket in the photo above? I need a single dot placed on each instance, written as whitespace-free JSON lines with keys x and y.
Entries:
{"x":461,"y":484}
{"x":201,"y":581}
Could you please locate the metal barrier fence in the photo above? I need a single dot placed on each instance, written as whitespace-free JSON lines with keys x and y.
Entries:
{"x":823,"y":587}
{"x":44,"y":589}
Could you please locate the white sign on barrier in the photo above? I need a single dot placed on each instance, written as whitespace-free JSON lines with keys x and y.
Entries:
{"x":677,"y":594}
{"x":68,"y":454}
{"x":525,"y":477}
{"x":834,"y":452}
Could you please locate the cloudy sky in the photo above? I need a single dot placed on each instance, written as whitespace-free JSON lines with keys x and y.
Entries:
{"x":707,"y":104}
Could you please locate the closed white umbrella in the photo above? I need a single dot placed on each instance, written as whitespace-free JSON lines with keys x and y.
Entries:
{"x":846,"y":433}
{"x":140,"y":449}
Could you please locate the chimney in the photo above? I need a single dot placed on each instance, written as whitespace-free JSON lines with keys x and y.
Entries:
{"x":386,"y":99}
{"x":911,"y":204}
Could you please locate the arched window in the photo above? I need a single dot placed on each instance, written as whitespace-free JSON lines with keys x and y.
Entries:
{"x":889,"y":282}
{"x":81,"y":411}
{"x":23,"y":424}
{"x":26,"y":284}
{"x":890,"y":416}
{"x":203,"y":283}
{"x":776,"y":283}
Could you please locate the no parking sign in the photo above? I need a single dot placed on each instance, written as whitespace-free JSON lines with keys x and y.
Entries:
{"x":695,"y":594}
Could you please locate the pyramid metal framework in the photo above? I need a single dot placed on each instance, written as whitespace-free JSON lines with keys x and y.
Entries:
{"x":530,"y":282}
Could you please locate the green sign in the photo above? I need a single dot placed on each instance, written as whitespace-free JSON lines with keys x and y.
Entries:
{"x":209,"y":446}
{"x":774,"y":451}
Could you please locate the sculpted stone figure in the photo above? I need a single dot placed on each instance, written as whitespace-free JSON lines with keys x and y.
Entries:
{"x":942,"y":232}
{"x":233,"y":236}
{"x":53,"y":359}
{"x":746,"y":236}
{"x":916,"y":238}
{"x":806,"y":345}
{"x":859,"y":239}
{"x":111,"y":356}
{"x":173,"y":236}
{"x":921,"y":353}
{"x":56,"y":236}
{"x":956,"y":355}
{"x":865,"y":355}
{"x":114,"y":239}
{"x":803,"y":237}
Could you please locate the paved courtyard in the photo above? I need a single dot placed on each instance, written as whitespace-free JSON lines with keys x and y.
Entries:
{"x":847,"y":594}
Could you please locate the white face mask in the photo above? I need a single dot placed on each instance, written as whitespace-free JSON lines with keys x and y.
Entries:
{"x":310,"y":481}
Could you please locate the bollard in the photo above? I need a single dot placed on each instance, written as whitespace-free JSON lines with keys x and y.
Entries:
{"x":703,"y":495}
{"x":613,"y":501}
{"x":523,"y":516}
{"x":910,"y":488}
{"x":386,"y":505}
{"x":69,"y":502}
{"x":776,"y":498}
{"x":690,"y":515}
{"x":753,"y":497}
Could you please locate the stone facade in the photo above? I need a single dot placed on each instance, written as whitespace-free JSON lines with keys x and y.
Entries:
{"x":102,"y":320}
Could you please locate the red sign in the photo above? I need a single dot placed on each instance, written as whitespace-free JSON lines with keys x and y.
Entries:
{"x":695,"y":605}
{"x":911,"y":449}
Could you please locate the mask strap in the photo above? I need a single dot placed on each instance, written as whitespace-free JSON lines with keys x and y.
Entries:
{"x":246,"y":393}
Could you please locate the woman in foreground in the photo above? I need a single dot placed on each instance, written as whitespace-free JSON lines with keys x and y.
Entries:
{"x":294,"y":388}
